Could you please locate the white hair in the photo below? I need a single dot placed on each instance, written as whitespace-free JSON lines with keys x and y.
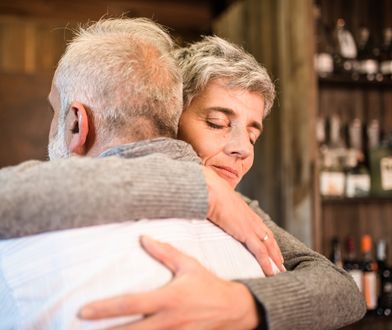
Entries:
{"x":215,"y":58}
{"x":57,"y":148}
{"x":122,"y":70}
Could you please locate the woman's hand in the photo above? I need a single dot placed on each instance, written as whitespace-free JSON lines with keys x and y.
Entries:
{"x":231,"y":213}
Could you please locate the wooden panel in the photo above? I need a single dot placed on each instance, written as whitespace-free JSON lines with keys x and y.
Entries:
{"x":184,"y":16}
{"x":24,"y":121}
{"x":30,"y":45}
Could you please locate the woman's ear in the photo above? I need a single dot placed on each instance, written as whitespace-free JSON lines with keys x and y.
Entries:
{"x":77,"y":128}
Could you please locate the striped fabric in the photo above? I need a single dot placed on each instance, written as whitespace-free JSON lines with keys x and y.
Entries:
{"x":44,"y":279}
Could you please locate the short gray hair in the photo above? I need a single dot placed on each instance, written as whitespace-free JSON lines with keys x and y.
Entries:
{"x":215,"y":58}
{"x":123,"y":70}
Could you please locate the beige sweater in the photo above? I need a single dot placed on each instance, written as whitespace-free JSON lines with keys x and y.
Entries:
{"x":158,"y":179}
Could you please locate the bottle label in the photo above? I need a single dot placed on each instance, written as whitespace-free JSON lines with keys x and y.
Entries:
{"x":357,"y":185}
{"x":357,"y":277}
{"x":347,"y":45}
{"x":368,"y":66}
{"x":324,"y":64}
{"x":386,"y":173}
{"x":332,"y":183}
{"x":386,"y":67}
{"x":370,"y":289}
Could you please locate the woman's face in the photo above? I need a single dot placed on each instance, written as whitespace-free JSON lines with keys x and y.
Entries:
{"x":222,"y":125}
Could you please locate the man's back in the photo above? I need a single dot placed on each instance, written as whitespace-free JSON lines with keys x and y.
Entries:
{"x":47,"y":278}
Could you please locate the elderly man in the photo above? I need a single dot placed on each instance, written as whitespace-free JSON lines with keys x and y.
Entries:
{"x":92,"y":117}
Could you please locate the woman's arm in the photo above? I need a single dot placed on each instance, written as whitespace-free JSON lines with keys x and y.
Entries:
{"x":38,"y":197}
{"x":312,"y":294}
{"x":70,"y":193}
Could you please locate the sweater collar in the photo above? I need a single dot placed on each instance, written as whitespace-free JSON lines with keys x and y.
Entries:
{"x":175,"y":149}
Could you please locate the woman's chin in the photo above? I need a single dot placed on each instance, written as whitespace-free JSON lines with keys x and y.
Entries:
{"x":228,"y":177}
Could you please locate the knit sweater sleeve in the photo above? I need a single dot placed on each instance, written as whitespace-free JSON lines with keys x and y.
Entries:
{"x":44,"y":196}
{"x":312,"y":294}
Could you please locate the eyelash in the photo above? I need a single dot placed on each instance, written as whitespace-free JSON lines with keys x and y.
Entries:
{"x":214,"y":126}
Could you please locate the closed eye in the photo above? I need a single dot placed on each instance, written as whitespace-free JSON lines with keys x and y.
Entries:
{"x":215,"y":126}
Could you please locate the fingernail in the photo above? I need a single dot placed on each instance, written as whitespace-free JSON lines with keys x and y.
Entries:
{"x":145,"y":240}
{"x":86,"y":313}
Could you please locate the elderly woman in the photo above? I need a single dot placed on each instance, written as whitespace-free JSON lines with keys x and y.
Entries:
{"x":227,"y":94}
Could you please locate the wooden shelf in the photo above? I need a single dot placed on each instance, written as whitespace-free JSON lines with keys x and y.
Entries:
{"x":357,"y":200}
{"x":347,"y":82}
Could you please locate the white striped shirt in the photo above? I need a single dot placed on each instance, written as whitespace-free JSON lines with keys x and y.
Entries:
{"x":46,"y":278}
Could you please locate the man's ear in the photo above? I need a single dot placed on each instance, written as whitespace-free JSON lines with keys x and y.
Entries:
{"x":77,"y":128}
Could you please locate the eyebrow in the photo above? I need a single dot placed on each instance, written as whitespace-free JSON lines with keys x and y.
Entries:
{"x":230,"y":112}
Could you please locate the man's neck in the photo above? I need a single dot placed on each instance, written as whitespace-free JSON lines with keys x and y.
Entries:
{"x":99,"y":148}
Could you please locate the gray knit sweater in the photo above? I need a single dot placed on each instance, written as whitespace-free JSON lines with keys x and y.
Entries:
{"x":162,"y":178}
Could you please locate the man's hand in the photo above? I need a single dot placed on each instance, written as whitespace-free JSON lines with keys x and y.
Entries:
{"x":194,"y":299}
{"x":231,"y":213}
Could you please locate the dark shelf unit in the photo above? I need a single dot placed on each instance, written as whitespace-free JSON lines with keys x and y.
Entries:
{"x":349,"y":98}
{"x":347,"y":82}
{"x":371,"y":199}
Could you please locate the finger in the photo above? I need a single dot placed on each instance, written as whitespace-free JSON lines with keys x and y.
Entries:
{"x":281,"y":264}
{"x":152,"y":322}
{"x":261,"y":254}
{"x":166,"y":254}
{"x":130,"y":304}
{"x":274,"y":254}
{"x":271,"y":245}
{"x":274,"y":251}
{"x":261,"y":230}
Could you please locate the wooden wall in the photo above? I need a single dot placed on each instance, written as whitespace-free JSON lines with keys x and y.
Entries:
{"x":33,"y":35}
{"x":29,"y":51}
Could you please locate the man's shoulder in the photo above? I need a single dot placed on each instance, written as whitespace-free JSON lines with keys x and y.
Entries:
{"x":20,"y":167}
{"x":171,"y":148}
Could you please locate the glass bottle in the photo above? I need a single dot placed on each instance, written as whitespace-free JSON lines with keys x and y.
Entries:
{"x":384,"y":306}
{"x":357,"y":174}
{"x":386,"y":54}
{"x":351,"y":264}
{"x":345,"y":51}
{"x":324,"y":49}
{"x":332,"y":177}
{"x":336,"y":252}
{"x":368,"y":55}
{"x":369,"y":269}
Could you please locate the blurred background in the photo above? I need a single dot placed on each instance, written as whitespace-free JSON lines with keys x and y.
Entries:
{"x":323,"y":168}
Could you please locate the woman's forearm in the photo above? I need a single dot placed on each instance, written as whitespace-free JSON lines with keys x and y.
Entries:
{"x":77,"y":192}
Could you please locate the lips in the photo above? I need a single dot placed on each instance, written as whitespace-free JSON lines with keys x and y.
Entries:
{"x":226,"y":171}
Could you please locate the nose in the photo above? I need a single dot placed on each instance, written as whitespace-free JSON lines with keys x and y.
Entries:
{"x":238,"y":145}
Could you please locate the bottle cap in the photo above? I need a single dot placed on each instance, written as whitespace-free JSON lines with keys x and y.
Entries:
{"x":381,"y":250}
{"x":366,"y":243}
{"x":350,"y":244}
